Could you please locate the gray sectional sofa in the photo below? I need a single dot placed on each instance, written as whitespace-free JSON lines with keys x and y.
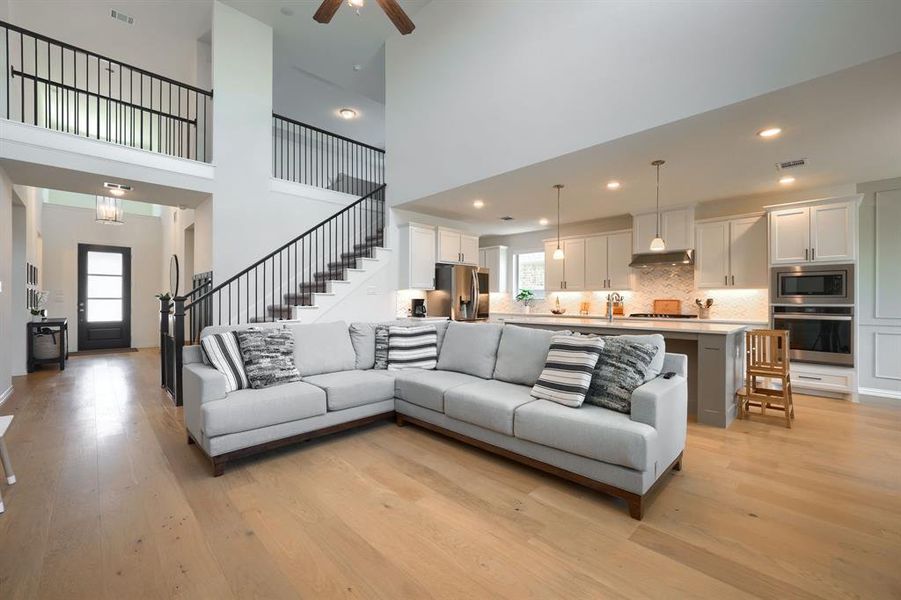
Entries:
{"x":479,"y":394}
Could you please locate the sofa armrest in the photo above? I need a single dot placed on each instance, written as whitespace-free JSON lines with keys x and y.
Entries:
{"x":663,"y":404}
{"x":676,"y":363}
{"x":202,"y":384}
{"x":191,"y":355}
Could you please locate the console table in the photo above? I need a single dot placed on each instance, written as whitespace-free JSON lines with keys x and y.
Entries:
{"x":61,"y":326}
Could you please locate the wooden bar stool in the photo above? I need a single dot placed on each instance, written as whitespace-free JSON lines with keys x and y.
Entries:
{"x":4,"y":455}
{"x":767,"y":374}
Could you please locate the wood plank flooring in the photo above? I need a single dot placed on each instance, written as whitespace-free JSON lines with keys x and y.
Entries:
{"x":112,"y":503}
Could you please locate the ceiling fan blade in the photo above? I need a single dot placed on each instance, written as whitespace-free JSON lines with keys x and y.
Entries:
{"x":326,"y":10}
{"x":397,"y":16}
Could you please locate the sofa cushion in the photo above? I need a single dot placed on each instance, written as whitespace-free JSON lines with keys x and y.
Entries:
{"x":622,"y":367}
{"x":589,"y":431}
{"x":268,"y":356}
{"x":489,"y":404}
{"x":322,"y":348}
{"x":346,"y":389}
{"x":427,"y":388}
{"x":566,"y":377}
{"x":656,"y":340}
{"x":470,"y":348}
{"x":362,"y":336}
{"x":521,"y":354}
{"x":244,"y":410}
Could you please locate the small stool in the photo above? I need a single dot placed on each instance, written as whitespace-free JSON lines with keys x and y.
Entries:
{"x":4,"y":454}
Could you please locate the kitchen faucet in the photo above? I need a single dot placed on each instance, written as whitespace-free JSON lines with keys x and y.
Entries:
{"x":611,"y":300}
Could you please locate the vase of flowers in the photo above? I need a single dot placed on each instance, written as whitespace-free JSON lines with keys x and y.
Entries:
{"x":526,"y":297}
{"x":39,"y":309}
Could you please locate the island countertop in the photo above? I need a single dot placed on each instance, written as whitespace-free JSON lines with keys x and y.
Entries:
{"x":664,"y":326}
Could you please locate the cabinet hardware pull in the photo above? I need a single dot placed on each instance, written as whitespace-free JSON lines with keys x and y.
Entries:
{"x":733,"y":280}
{"x":809,"y":377}
{"x":813,"y":254}
{"x":725,"y":280}
{"x":805,"y":254}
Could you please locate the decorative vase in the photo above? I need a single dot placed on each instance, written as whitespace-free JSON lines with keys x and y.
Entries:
{"x":37,"y":318}
{"x":703,"y":312}
{"x":528,"y":309}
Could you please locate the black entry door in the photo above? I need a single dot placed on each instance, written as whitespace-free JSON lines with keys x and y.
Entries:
{"x":104,"y":297}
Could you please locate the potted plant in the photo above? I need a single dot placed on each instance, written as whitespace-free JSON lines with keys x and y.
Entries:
{"x":39,"y":310}
{"x":526,"y":297}
{"x":165,"y":297}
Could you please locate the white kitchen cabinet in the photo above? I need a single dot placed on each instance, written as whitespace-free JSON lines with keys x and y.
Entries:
{"x":676,"y":229}
{"x":417,"y":257}
{"x":469,"y":249}
{"x":574,"y":264}
{"x":607,"y":259}
{"x":494,"y":258}
{"x":553,"y":269}
{"x":820,"y":231}
{"x":457,"y":247}
{"x":731,"y":253}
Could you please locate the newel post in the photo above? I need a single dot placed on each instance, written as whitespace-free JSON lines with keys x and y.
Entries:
{"x":179,"y":337}
{"x":164,"y":333}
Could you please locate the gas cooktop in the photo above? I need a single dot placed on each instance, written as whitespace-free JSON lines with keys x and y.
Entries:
{"x":662,"y":316}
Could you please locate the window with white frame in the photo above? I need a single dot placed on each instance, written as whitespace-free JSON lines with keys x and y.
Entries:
{"x":529,"y":273}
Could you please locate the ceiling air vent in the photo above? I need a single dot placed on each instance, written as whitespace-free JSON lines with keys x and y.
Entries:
{"x":791,"y":164}
{"x":121,"y":17}
{"x":507,"y":218}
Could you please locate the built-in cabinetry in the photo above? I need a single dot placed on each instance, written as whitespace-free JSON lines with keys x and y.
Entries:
{"x":822,"y":231}
{"x":676,"y":229}
{"x":730,"y":253}
{"x":494,"y":258}
{"x":417,"y":257}
{"x":596,"y":262}
{"x":457,"y":247}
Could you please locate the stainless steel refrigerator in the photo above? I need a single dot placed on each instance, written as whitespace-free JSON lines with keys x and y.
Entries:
{"x":461,"y":293}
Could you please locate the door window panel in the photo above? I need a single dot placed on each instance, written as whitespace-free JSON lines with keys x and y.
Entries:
{"x":104,"y":263}
{"x":104,"y":310}
{"x":104,"y":286}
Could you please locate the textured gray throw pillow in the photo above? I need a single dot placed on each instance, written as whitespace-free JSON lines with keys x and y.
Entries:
{"x":622,"y":367}
{"x":381,"y":347}
{"x":268,"y":356}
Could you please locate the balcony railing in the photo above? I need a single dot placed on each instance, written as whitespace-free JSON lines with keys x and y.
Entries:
{"x":306,"y":154}
{"x":59,"y":86}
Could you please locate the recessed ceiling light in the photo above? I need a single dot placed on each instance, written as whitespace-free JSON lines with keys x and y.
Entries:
{"x":769,"y":132}
{"x":543,"y":221}
{"x":478,"y":203}
{"x":787,"y":180}
{"x":347,"y":114}
{"x":613,"y":185}
{"x":356,"y":3}
{"x":287,"y":11}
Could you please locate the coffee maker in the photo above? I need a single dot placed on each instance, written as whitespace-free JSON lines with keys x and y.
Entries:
{"x":417,"y":308}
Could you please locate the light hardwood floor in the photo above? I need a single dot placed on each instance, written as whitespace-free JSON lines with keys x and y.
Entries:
{"x":112,"y":503}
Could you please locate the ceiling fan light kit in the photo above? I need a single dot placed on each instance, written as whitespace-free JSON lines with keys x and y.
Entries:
{"x":391,"y":8}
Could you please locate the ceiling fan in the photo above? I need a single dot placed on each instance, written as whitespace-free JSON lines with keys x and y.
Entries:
{"x":328,"y":8}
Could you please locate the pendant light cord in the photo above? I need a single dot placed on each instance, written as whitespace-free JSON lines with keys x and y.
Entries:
{"x":658,"y":200}
{"x":558,"y":218}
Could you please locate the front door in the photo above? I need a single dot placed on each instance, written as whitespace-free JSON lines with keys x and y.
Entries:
{"x":104,"y":297}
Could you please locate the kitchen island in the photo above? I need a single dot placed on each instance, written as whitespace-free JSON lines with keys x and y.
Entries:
{"x":714,"y":353}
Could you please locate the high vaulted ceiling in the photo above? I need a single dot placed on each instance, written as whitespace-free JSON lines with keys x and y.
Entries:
{"x":330,"y":51}
{"x":847,"y":125}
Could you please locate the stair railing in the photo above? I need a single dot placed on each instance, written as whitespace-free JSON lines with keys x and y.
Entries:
{"x":275,"y":286}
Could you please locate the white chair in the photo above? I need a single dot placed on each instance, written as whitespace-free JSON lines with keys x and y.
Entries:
{"x":4,"y":454}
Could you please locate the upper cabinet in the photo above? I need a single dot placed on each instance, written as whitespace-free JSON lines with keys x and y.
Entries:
{"x":598,"y":262}
{"x":824,"y":231}
{"x":457,"y":247}
{"x":729,"y":253}
{"x":417,"y":257}
{"x":494,"y":258}
{"x":676,"y":229}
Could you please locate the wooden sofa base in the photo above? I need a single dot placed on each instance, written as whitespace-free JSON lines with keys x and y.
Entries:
{"x":221,"y":460}
{"x":636,"y":502}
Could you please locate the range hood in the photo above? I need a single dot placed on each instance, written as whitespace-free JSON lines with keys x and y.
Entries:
{"x":679,"y":257}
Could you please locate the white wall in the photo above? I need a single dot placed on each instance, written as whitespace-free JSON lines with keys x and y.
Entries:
{"x":64,"y":228}
{"x":483,"y":88}
{"x":28,"y":237}
{"x":6,"y":288}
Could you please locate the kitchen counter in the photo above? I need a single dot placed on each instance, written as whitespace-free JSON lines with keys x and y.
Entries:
{"x":502,"y":316}
{"x":631,"y":324}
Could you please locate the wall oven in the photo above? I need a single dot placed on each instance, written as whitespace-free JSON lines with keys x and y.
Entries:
{"x":818,"y":334}
{"x":812,"y":284}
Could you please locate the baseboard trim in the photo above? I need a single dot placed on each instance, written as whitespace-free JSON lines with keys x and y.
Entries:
{"x":6,"y":394}
{"x":879,"y":393}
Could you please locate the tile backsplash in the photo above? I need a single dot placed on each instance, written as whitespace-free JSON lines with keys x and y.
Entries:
{"x":658,"y":282}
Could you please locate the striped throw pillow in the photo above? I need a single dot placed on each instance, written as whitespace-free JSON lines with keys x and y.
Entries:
{"x":566,"y":377}
{"x":224,"y":354}
{"x":412,"y":347}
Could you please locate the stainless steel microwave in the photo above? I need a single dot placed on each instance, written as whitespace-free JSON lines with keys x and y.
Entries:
{"x":812,"y":284}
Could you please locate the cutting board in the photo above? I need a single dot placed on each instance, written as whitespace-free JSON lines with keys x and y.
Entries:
{"x":668,"y":307}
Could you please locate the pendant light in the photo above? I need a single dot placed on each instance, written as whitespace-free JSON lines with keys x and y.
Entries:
{"x":109,"y":210}
{"x":558,"y":253}
{"x":657,"y":244}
